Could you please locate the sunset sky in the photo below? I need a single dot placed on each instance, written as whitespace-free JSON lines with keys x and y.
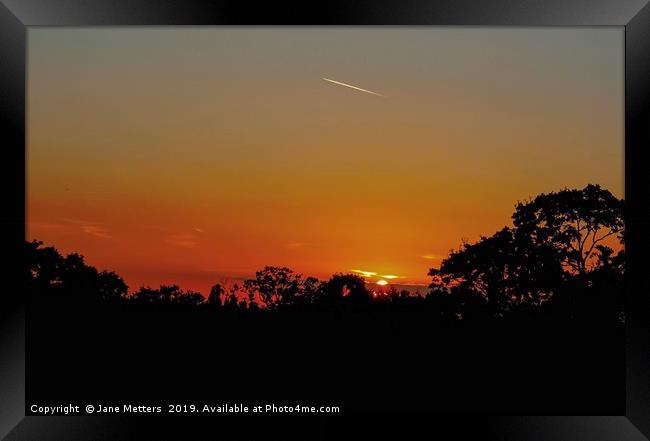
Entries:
{"x":197,"y":155}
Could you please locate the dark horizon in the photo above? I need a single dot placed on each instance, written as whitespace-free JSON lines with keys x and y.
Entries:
{"x":559,"y":243}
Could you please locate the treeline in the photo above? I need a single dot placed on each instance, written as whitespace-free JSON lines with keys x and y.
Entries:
{"x":563,"y":256}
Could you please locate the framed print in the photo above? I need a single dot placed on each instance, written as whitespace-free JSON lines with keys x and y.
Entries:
{"x":282,"y":218}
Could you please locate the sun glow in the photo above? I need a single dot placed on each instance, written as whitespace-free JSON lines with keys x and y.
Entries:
{"x":364,"y":273}
{"x":374,"y":277}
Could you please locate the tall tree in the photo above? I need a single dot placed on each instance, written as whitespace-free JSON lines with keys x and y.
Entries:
{"x":556,"y":237}
{"x":574,"y":223}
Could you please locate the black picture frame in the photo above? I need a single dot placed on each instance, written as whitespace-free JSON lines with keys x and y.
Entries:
{"x":16,"y":16}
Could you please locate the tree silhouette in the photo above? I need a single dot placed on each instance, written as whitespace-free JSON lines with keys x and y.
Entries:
{"x":230,"y":302}
{"x":556,"y":241}
{"x":277,"y":286}
{"x":488,"y":268}
{"x":457,"y":304}
{"x":562,"y":257}
{"x":167,"y":295}
{"x":214,"y":298}
{"x":346,"y":289}
{"x":69,"y":278}
{"x":44,"y":264}
{"x":573,"y":223}
{"x":111,"y":287}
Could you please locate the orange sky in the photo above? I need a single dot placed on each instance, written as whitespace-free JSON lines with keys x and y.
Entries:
{"x":197,"y":154}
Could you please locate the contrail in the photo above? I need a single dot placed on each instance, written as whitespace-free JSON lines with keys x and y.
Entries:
{"x":353,"y":87}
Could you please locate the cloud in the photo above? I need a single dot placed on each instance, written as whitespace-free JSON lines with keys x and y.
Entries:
{"x":199,"y":230}
{"x":183,"y":240}
{"x":431,"y":256}
{"x":96,"y":231}
{"x":89,"y":227}
{"x":364,"y":273}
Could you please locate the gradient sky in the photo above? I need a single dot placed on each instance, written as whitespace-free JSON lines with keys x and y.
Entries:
{"x":192,"y":155}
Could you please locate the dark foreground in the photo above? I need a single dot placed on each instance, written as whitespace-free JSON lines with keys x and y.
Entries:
{"x":361,"y":362}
